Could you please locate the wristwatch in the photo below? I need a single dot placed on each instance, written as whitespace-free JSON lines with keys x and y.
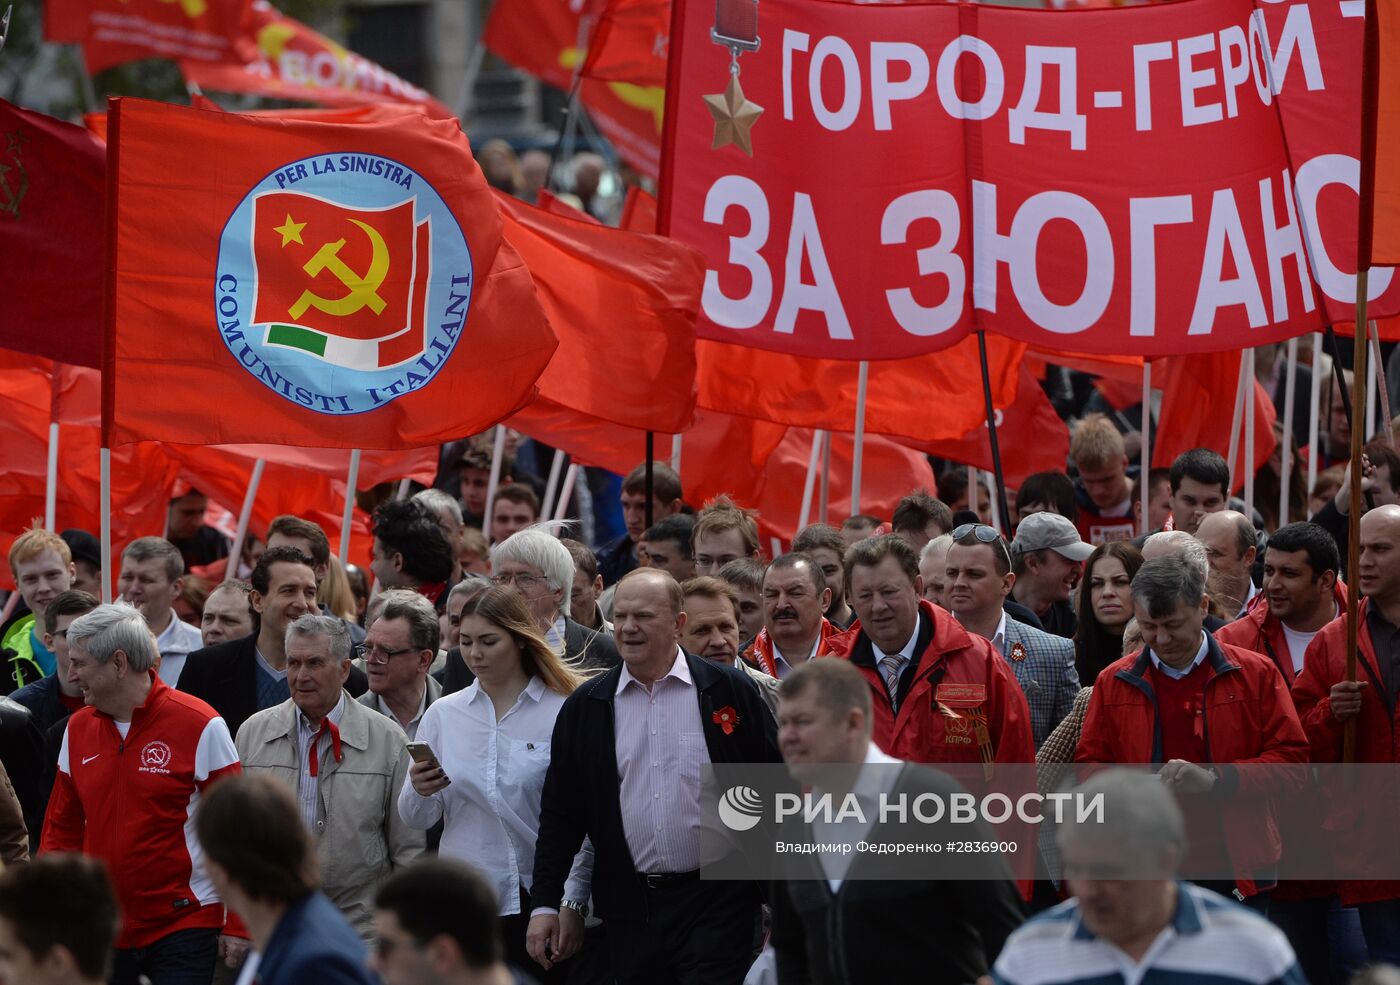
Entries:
{"x":579,"y":907}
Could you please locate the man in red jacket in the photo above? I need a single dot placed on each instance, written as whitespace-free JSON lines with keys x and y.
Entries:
{"x":941,"y":694}
{"x":1200,"y":709}
{"x":1327,"y":701}
{"x":1302,"y":593}
{"x":130,"y":773}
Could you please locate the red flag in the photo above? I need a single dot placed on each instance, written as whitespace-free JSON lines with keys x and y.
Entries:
{"x":196,"y":357}
{"x":292,"y":61}
{"x":1380,"y":146}
{"x":550,"y":202}
{"x":639,"y":211}
{"x":142,"y":476}
{"x":629,"y":44}
{"x":1198,"y":403}
{"x":1032,"y":437}
{"x":51,"y":192}
{"x":116,"y":31}
{"x":928,"y":398}
{"x":623,"y":305}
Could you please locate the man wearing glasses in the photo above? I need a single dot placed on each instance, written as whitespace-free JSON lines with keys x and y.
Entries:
{"x":398,"y":652}
{"x":541,"y":569}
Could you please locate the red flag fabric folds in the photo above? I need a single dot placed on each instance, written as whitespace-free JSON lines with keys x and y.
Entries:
{"x":623,"y":306}
{"x":629,"y":44}
{"x":51,"y":191}
{"x":1198,"y":403}
{"x":292,"y":61}
{"x":116,"y":31}
{"x":400,"y":335}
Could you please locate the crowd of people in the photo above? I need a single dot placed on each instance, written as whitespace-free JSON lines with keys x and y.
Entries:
{"x":479,"y":758}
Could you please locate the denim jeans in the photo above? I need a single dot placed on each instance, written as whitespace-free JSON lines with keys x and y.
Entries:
{"x":185,"y":957}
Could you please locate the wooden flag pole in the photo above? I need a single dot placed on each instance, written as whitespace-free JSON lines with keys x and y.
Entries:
{"x":104,"y":509}
{"x":1235,"y":422}
{"x":998,"y":474}
{"x":245,"y":515}
{"x":1381,"y":386}
{"x":352,"y":476}
{"x":862,"y":383}
{"x":1290,"y":388}
{"x":650,"y":484}
{"x":1358,"y":394}
{"x":1145,"y":460}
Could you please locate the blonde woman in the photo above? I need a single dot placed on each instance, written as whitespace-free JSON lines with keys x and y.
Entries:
{"x":492,"y":747}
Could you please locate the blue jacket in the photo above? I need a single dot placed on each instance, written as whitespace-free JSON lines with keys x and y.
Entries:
{"x":314,"y":943}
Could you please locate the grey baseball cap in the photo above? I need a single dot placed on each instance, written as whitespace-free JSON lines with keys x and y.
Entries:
{"x":1042,"y":531}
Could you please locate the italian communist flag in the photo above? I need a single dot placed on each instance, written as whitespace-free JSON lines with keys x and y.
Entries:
{"x":307,"y":283}
{"x":1381,"y":136}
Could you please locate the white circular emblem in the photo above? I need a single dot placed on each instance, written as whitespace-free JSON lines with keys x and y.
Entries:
{"x":155,"y":755}
{"x":741,"y":808}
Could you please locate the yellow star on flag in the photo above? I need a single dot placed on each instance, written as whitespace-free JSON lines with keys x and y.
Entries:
{"x":734,"y":117}
{"x":291,"y":231}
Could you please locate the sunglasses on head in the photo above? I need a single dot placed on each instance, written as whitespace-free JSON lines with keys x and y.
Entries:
{"x":984,"y":535}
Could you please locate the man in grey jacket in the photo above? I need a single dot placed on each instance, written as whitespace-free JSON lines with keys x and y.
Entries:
{"x":344,"y":763}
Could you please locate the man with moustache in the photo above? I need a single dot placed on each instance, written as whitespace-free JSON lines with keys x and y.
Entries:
{"x":794,"y":630}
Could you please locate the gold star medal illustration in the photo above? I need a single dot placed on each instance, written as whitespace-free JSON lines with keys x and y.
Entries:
{"x":736,"y":28}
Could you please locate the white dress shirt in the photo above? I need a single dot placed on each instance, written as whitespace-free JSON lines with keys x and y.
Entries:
{"x":176,"y":642}
{"x":308,"y":786}
{"x":906,"y":654}
{"x":781,"y":663}
{"x":1177,"y":675}
{"x":491,"y":809}
{"x":867,"y":789}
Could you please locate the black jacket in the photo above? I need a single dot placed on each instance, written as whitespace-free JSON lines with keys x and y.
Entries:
{"x":881,"y":922}
{"x":595,"y":650}
{"x":22,"y":754}
{"x":226,"y":677}
{"x":582,"y":788}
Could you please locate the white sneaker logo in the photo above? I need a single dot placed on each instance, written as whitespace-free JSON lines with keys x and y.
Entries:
{"x":88,"y":759}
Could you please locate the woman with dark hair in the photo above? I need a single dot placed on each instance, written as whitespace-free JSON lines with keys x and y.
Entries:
{"x":491,"y":744}
{"x":1105,"y":606}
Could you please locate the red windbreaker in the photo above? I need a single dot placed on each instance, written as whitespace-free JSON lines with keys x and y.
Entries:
{"x":1259,"y":631}
{"x":1249,"y":720}
{"x":131,"y":803}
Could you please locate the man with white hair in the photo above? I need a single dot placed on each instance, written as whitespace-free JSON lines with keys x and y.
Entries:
{"x":540,"y":568}
{"x":1130,"y":919}
{"x":131,"y":770}
{"x":448,"y":513}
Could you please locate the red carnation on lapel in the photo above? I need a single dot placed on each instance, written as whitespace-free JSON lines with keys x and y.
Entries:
{"x":727,"y":719}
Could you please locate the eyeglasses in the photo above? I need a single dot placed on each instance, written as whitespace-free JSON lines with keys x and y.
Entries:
{"x":524,"y":582}
{"x":373,"y":653}
{"x":984,"y":535}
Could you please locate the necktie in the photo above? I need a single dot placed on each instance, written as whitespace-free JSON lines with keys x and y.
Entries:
{"x":890,"y":666}
{"x":313,"y":764}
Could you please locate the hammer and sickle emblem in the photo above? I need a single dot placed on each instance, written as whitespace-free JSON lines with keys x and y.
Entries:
{"x":360,"y":290}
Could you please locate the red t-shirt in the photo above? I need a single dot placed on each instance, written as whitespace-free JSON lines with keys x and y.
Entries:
{"x":1181,"y":713}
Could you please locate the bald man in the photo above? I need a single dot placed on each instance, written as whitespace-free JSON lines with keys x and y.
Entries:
{"x":1228,"y":538}
{"x":1327,"y":701}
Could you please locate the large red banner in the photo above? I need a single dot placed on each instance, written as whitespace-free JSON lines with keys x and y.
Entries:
{"x":881,"y":179}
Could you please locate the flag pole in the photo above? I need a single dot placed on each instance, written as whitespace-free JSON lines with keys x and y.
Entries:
{"x":998,"y":473}
{"x":1247,"y":382}
{"x":1369,"y":431}
{"x":676,"y":454}
{"x":1236,"y":419}
{"x":493,"y":481}
{"x":51,"y":479}
{"x":858,"y":453}
{"x":352,"y":476}
{"x":809,"y":484}
{"x":974,"y":487}
{"x":245,"y":515}
{"x":551,"y":486}
{"x":1314,"y":409}
{"x":104,"y":509}
{"x":1381,"y":386}
{"x":405,"y":484}
{"x":1290,"y":386}
{"x":567,"y":492}
{"x":1145,"y":453}
{"x":651,"y":453}
{"x":825,"y":506}
{"x":1358,"y":384}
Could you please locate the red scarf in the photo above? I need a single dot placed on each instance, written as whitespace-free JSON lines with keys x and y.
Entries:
{"x":762,"y":653}
{"x":312,"y":761}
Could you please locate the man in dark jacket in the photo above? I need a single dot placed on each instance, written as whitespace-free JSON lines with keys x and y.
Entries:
{"x":853,"y":922}
{"x":625,"y":772}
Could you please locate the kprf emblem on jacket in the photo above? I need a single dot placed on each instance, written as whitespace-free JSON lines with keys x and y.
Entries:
{"x":155,"y":757}
{"x":343,"y":282}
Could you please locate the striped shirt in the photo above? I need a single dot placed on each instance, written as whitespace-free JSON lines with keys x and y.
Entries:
{"x":661,"y":750}
{"x":1209,"y":940}
{"x":308,"y":786}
